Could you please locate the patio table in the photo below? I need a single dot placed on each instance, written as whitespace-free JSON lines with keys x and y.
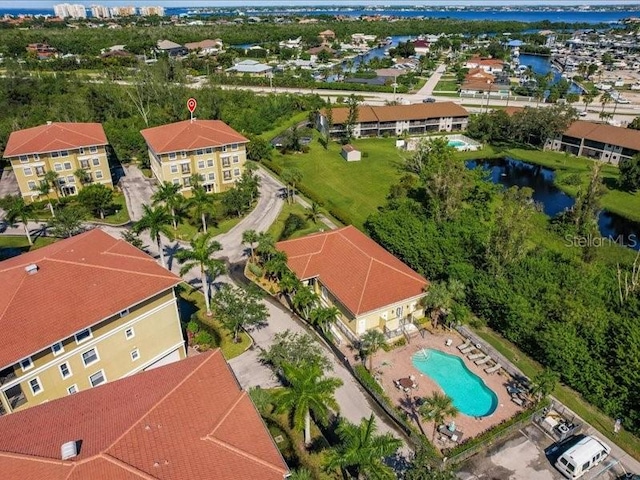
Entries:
{"x":406,"y":382}
{"x":443,"y":429}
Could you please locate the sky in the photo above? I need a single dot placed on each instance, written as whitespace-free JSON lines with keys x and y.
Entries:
{"x":245,"y":3}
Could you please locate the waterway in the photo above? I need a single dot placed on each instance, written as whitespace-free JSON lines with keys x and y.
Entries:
{"x":510,"y":173}
{"x":542,"y":65}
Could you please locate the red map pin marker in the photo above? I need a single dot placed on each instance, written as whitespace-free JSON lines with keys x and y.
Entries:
{"x":192,"y":104}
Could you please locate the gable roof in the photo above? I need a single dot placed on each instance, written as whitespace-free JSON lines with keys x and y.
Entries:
{"x":108,"y":274}
{"x":188,"y":135}
{"x":186,"y":420}
{"x":204,"y":44}
{"x":168,"y":45}
{"x":602,"y":132}
{"x":53,"y":137}
{"x":361,"y":274}
{"x":391,"y":113}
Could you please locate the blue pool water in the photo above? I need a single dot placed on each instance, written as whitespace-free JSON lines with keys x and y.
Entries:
{"x":457,"y":143}
{"x":467,"y":391}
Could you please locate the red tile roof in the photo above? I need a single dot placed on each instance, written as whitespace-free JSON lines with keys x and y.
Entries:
{"x":54,"y":137}
{"x":602,"y":132}
{"x":188,"y":135}
{"x":80,"y":281}
{"x":361,"y":274}
{"x":188,"y":420}
{"x":392,"y":113}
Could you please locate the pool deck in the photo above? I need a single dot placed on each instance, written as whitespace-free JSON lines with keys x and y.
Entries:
{"x":396,"y":364}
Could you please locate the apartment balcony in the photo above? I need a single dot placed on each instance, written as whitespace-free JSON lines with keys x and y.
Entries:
{"x":185,"y":169}
{"x":398,"y":327}
{"x":7,"y":375}
{"x":15,"y":397}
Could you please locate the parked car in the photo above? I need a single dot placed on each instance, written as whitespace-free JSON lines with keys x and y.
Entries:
{"x":429,"y":100}
{"x":581,"y":457}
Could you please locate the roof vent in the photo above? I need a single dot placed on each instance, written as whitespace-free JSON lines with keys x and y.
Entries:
{"x":69,"y":450}
{"x":31,"y":269}
{"x":49,"y":122}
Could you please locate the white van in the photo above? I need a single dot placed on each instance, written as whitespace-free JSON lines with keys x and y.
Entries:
{"x":582,"y":456}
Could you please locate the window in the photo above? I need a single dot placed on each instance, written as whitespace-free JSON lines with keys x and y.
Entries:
{"x":36,"y":386}
{"x":24,"y":158}
{"x":212,"y":176}
{"x":81,"y":151}
{"x":95,"y":161}
{"x":174,"y":168}
{"x":57,"y":349}
{"x":65,"y":371}
{"x":98,"y":174}
{"x":234,"y":146}
{"x":26,"y":364}
{"x":84,"y":163}
{"x":209,"y":150}
{"x":183,"y":154}
{"x":129,"y":333}
{"x":71,"y":179}
{"x":236,"y":172}
{"x":226,"y":175}
{"x":210,"y":162}
{"x":200,"y":163}
{"x":55,"y":154}
{"x":39,"y":171}
{"x":176,"y":181}
{"x":32,"y":185}
{"x":90,"y":357}
{"x":224,"y":148}
{"x":64,"y":153}
{"x":97,"y":378}
{"x":172,"y":156}
{"x":57,"y":167}
{"x":83,"y":335}
{"x":27,"y":171}
{"x":199,"y":152}
{"x":72,"y":389}
{"x":135,"y":355}
{"x":124,"y":313}
{"x":236,"y":159}
{"x":186,"y":181}
{"x":225,"y":161}
{"x":93,"y":149}
{"x":67,"y":165}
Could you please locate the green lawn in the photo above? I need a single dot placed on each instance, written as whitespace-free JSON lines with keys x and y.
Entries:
{"x":567,"y":396}
{"x":277,"y":227}
{"x":12,"y":244}
{"x":275,"y":131}
{"x":119,"y":215}
{"x":446,"y":85}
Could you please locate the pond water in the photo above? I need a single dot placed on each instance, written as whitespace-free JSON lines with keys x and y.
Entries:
{"x":510,"y":172}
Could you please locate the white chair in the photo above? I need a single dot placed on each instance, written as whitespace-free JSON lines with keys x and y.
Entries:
{"x":448,"y":342}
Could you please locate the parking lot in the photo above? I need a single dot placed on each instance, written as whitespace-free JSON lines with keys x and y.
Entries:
{"x":522,"y":456}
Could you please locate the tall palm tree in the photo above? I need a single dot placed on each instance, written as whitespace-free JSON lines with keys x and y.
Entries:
{"x":361,"y":451}
{"x":307,"y":391}
{"x":323,"y":316}
{"x":200,"y":255}
{"x":605,"y":98}
{"x":304,"y":300}
{"x":83,"y":176}
{"x":266,"y":246}
{"x":51,"y":177}
{"x":276,"y":266}
{"x":441,"y":297}
{"x":16,"y":209}
{"x":202,"y":205}
{"x":437,"y":408}
{"x":588,"y":98}
{"x":43,"y":191}
{"x":313,"y":212}
{"x":291,"y":177}
{"x":251,"y":237}
{"x":168,"y":194}
{"x":372,"y":341}
{"x":289,"y":284}
{"x":157,"y":221}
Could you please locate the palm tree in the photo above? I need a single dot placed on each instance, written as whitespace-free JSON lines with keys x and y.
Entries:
{"x":157,"y":221}
{"x":307,"y":391}
{"x":313,"y":212}
{"x":544,"y":383}
{"x":300,"y":474}
{"x":51,"y":177}
{"x":266,"y":246}
{"x":605,"y":98}
{"x":588,"y":98}
{"x":304,"y":300}
{"x":251,"y":237}
{"x":371,"y":342}
{"x":437,"y":408}
{"x":289,"y":284}
{"x":323,"y":316}
{"x":276,"y":266}
{"x":43,"y":191}
{"x":83,"y":176}
{"x":200,"y":255}
{"x":168,"y":194}
{"x":16,"y":209}
{"x":291,"y":176}
{"x":202,"y":205}
{"x":441,"y":297}
{"x":361,"y":451}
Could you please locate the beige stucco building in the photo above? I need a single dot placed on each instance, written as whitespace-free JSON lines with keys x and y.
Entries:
{"x":82,"y":312}
{"x":209,"y":148}
{"x":63,"y":148}
{"x":371,"y":288}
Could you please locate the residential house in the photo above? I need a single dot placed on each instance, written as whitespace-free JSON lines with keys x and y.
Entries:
{"x":421,"y":47}
{"x":205,"y":47}
{"x":327,"y":36}
{"x":371,"y":288}
{"x":292,"y":43}
{"x":188,"y":420}
{"x":42,"y":51}
{"x":483,"y":88}
{"x":393,"y":120}
{"x":489,"y":65}
{"x":171,"y":48}
{"x":60,"y":147}
{"x":210,"y":148}
{"x":597,"y":140}
{"x":350,"y":153}
{"x":81,"y":312}
{"x":252,"y":68}
{"x":479,"y":75}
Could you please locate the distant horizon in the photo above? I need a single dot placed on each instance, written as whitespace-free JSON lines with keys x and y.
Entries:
{"x":48,"y":4}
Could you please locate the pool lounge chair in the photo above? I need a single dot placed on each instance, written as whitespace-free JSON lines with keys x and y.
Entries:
{"x":475,"y":356}
{"x":468,"y":350}
{"x":493,"y":369}
{"x":464,"y":345}
{"x":484,"y":360}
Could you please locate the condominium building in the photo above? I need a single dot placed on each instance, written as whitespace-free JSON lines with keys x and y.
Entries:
{"x":100,"y":11}
{"x":82,"y":312}
{"x":64,"y":148}
{"x":209,"y":148}
{"x":66,"y":10}
{"x":396,"y":119}
{"x":153,"y":10}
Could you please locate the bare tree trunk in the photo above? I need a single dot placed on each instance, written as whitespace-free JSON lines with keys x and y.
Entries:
{"x":205,"y":289}
{"x":161,"y":249}
{"x":26,"y":231}
{"x":53,"y":212}
{"x":173,"y":219}
{"x":307,"y":428}
{"x":204,"y":222}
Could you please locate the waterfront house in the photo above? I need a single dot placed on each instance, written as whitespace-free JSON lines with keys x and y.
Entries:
{"x":172,"y":49}
{"x":188,"y":420}
{"x":489,"y":65}
{"x":252,"y":68}
{"x":600,"y":141}
{"x":205,"y":47}
{"x":81,"y":312}
{"x":371,"y":288}
{"x":210,"y":148}
{"x":373,"y":121}
{"x":60,"y":147}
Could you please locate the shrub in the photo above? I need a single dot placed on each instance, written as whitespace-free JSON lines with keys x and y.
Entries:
{"x":292,"y":224}
{"x":365,"y":154}
{"x":256,"y":270}
{"x":366,"y":378}
{"x":204,"y":338}
{"x":573,"y":179}
{"x":340,"y":214}
{"x":193,"y":326}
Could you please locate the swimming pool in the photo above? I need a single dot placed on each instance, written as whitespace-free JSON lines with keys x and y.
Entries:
{"x":457,"y":143}
{"x":468,"y":392}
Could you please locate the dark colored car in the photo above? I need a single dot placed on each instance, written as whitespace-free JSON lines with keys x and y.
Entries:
{"x":429,"y":100}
